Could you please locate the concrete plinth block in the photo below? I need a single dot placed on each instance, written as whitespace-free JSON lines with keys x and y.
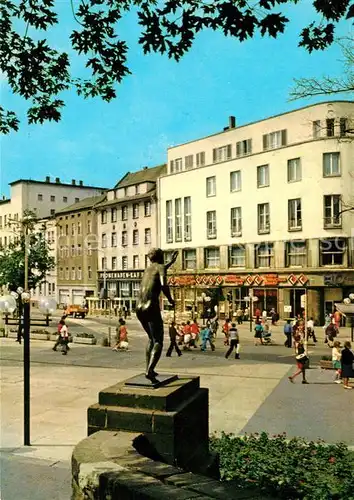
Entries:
{"x":159,"y":381}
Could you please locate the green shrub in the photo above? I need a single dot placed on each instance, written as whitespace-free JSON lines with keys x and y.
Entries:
{"x":289,"y":469}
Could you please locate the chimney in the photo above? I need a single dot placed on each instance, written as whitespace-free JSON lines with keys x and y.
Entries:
{"x":81,"y":183}
{"x":57,"y":180}
{"x":73,"y":182}
{"x":47,"y":179}
{"x":232,"y":122}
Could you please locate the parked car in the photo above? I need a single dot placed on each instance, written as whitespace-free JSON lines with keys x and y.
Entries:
{"x":76,"y":311}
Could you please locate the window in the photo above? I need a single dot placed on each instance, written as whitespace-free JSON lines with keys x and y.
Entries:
{"x":236,"y":221}
{"x":274,"y":140}
{"x":73,"y":273}
{"x":211,"y":224}
{"x":124,"y":212}
{"x":147,"y":208}
{"x":235,"y":181}
{"x":147,"y":236}
{"x":79,"y":273}
{"x":40,"y":197}
{"x":178,"y":219}
{"x":263,"y":218}
{"x":222,"y":154}
{"x":176,"y":165}
{"x":135,"y":261}
{"x":189,"y":259}
{"x":169,"y":222}
{"x":89,"y":227}
{"x":294,"y":215}
{"x":124,"y":238}
{"x":79,"y":228}
{"x":53,"y":287}
{"x":114,"y":215}
{"x":332,"y":251}
{"x":65,"y":199}
{"x":114,"y":263}
{"x":89,"y":272}
{"x":77,"y":200}
{"x":212,"y":257}
{"x":211,"y":186}
{"x":104,"y":240}
{"x":188,"y":162}
{"x":104,"y":263}
{"x":294,"y":170}
{"x":137,"y":189}
{"x":104,"y":217}
{"x":136,"y":289}
{"x":187,"y":218}
{"x":61,"y":273}
{"x":146,"y":261}
{"x":296,"y":254}
{"x":79,"y":249}
{"x":114,"y":239}
{"x":0,"y":221}
{"x":73,"y":250}
{"x":125,"y":262}
{"x":126,"y":190}
{"x":330,"y":127}
{"x":244,"y":147}
{"x":200,"y":159}
{"x":316,"y":129}
{"x":263,"y":176}
{"x":67,"y":276}
{"x":52,"y":211}
{"x":124,"y":288}
{"x":343,"y":127}
{"x":331,"y":164}
{"x":66,"y":230}
{"x":135,"y":210}
{"x":237,"y":256}
{"x":332,"y":208}
{"x":135,"y":237}
{"x":264,"y":255}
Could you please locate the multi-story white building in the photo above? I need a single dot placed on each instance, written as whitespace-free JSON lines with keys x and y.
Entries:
{"x":127,"y":230}
{"x":44,"y":198}
{"x":263,"y":206}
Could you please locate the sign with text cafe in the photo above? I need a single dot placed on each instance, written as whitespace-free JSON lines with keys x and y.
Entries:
{"x":215,"y":280}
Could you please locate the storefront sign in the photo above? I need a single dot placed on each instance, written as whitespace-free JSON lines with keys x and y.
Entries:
{"x":270,"y":279}
{"x":287,"y":309}
{"x":338,"y":279}
{"x":297,"y":279}
{"x":121,"y":275}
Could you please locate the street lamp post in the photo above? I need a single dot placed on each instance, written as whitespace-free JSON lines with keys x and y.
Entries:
{"x":250,"y":300}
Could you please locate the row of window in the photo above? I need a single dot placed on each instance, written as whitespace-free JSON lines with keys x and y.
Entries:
{"x":331,"y":218}
{"x":187,"y":219}
{"x":124,"y":288}
{"x":75,"y":229}
{"x":272,"y":140}
{"x":123,"y":263}
{"x":331,"y":252}
{"x":52,"y":198}
{"x":124,"y":212}
{"x":331,"y":168}
{"x":43,"y":290}
{"x":8,"y":219}
{"x":76,"y":273}
{"x":124,"y":238}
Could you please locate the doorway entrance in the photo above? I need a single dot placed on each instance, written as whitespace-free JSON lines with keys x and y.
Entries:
{"x":297,"y":304}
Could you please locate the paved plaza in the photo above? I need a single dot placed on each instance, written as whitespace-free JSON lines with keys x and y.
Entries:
{"x":247,"y":395}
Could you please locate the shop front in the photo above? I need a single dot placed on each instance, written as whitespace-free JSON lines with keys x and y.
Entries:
{"x":123,"y":288}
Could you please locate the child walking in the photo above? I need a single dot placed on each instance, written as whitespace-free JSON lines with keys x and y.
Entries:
{"x":336,"y":361}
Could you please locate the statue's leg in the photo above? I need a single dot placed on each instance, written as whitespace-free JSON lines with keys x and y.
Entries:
{"x":156,"y":329}
{"x":142,"y":317}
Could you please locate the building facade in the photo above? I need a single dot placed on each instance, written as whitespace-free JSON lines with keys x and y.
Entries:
{"x":127,"y":230}
{"x":263,"y":209}
{"x":76,"y":227}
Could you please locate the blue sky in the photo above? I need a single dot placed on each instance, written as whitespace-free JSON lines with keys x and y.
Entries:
{"x":164,"y":103}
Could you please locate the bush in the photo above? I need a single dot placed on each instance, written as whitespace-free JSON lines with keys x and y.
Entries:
{"x":290,"y":469}
{"x":85,"y":335}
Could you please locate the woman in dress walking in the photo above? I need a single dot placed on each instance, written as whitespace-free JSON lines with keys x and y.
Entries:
{"x":347,"y":365}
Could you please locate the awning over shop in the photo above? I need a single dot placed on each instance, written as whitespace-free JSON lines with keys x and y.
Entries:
{"x":346,"y":309}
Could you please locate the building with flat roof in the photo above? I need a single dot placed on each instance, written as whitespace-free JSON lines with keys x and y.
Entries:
{"x":262,"y":208}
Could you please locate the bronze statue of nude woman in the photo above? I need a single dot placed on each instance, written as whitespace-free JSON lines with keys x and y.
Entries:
{"x":148,"y":312}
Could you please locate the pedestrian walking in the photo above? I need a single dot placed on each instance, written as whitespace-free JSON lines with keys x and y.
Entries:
{"x":239,"y":316}
{"x":311,"y":330}
{"x":258,"y":333}
{"x":336,"y":361}
{"x":347,"y":361}
{"x":301,"y":360}
{"x":234,"y":342}
{"x":194,"y":333}
{"x":288,"y":330}
{"x":122,"y":342}
{"x":225,"y":330}
{"x":173,"y":333}
{"x":274,"y":316}
{"x":206,"y":335}
{"x":63,"y":337}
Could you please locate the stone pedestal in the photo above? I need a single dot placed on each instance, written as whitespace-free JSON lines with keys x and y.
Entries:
{"x":173,"y":419}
